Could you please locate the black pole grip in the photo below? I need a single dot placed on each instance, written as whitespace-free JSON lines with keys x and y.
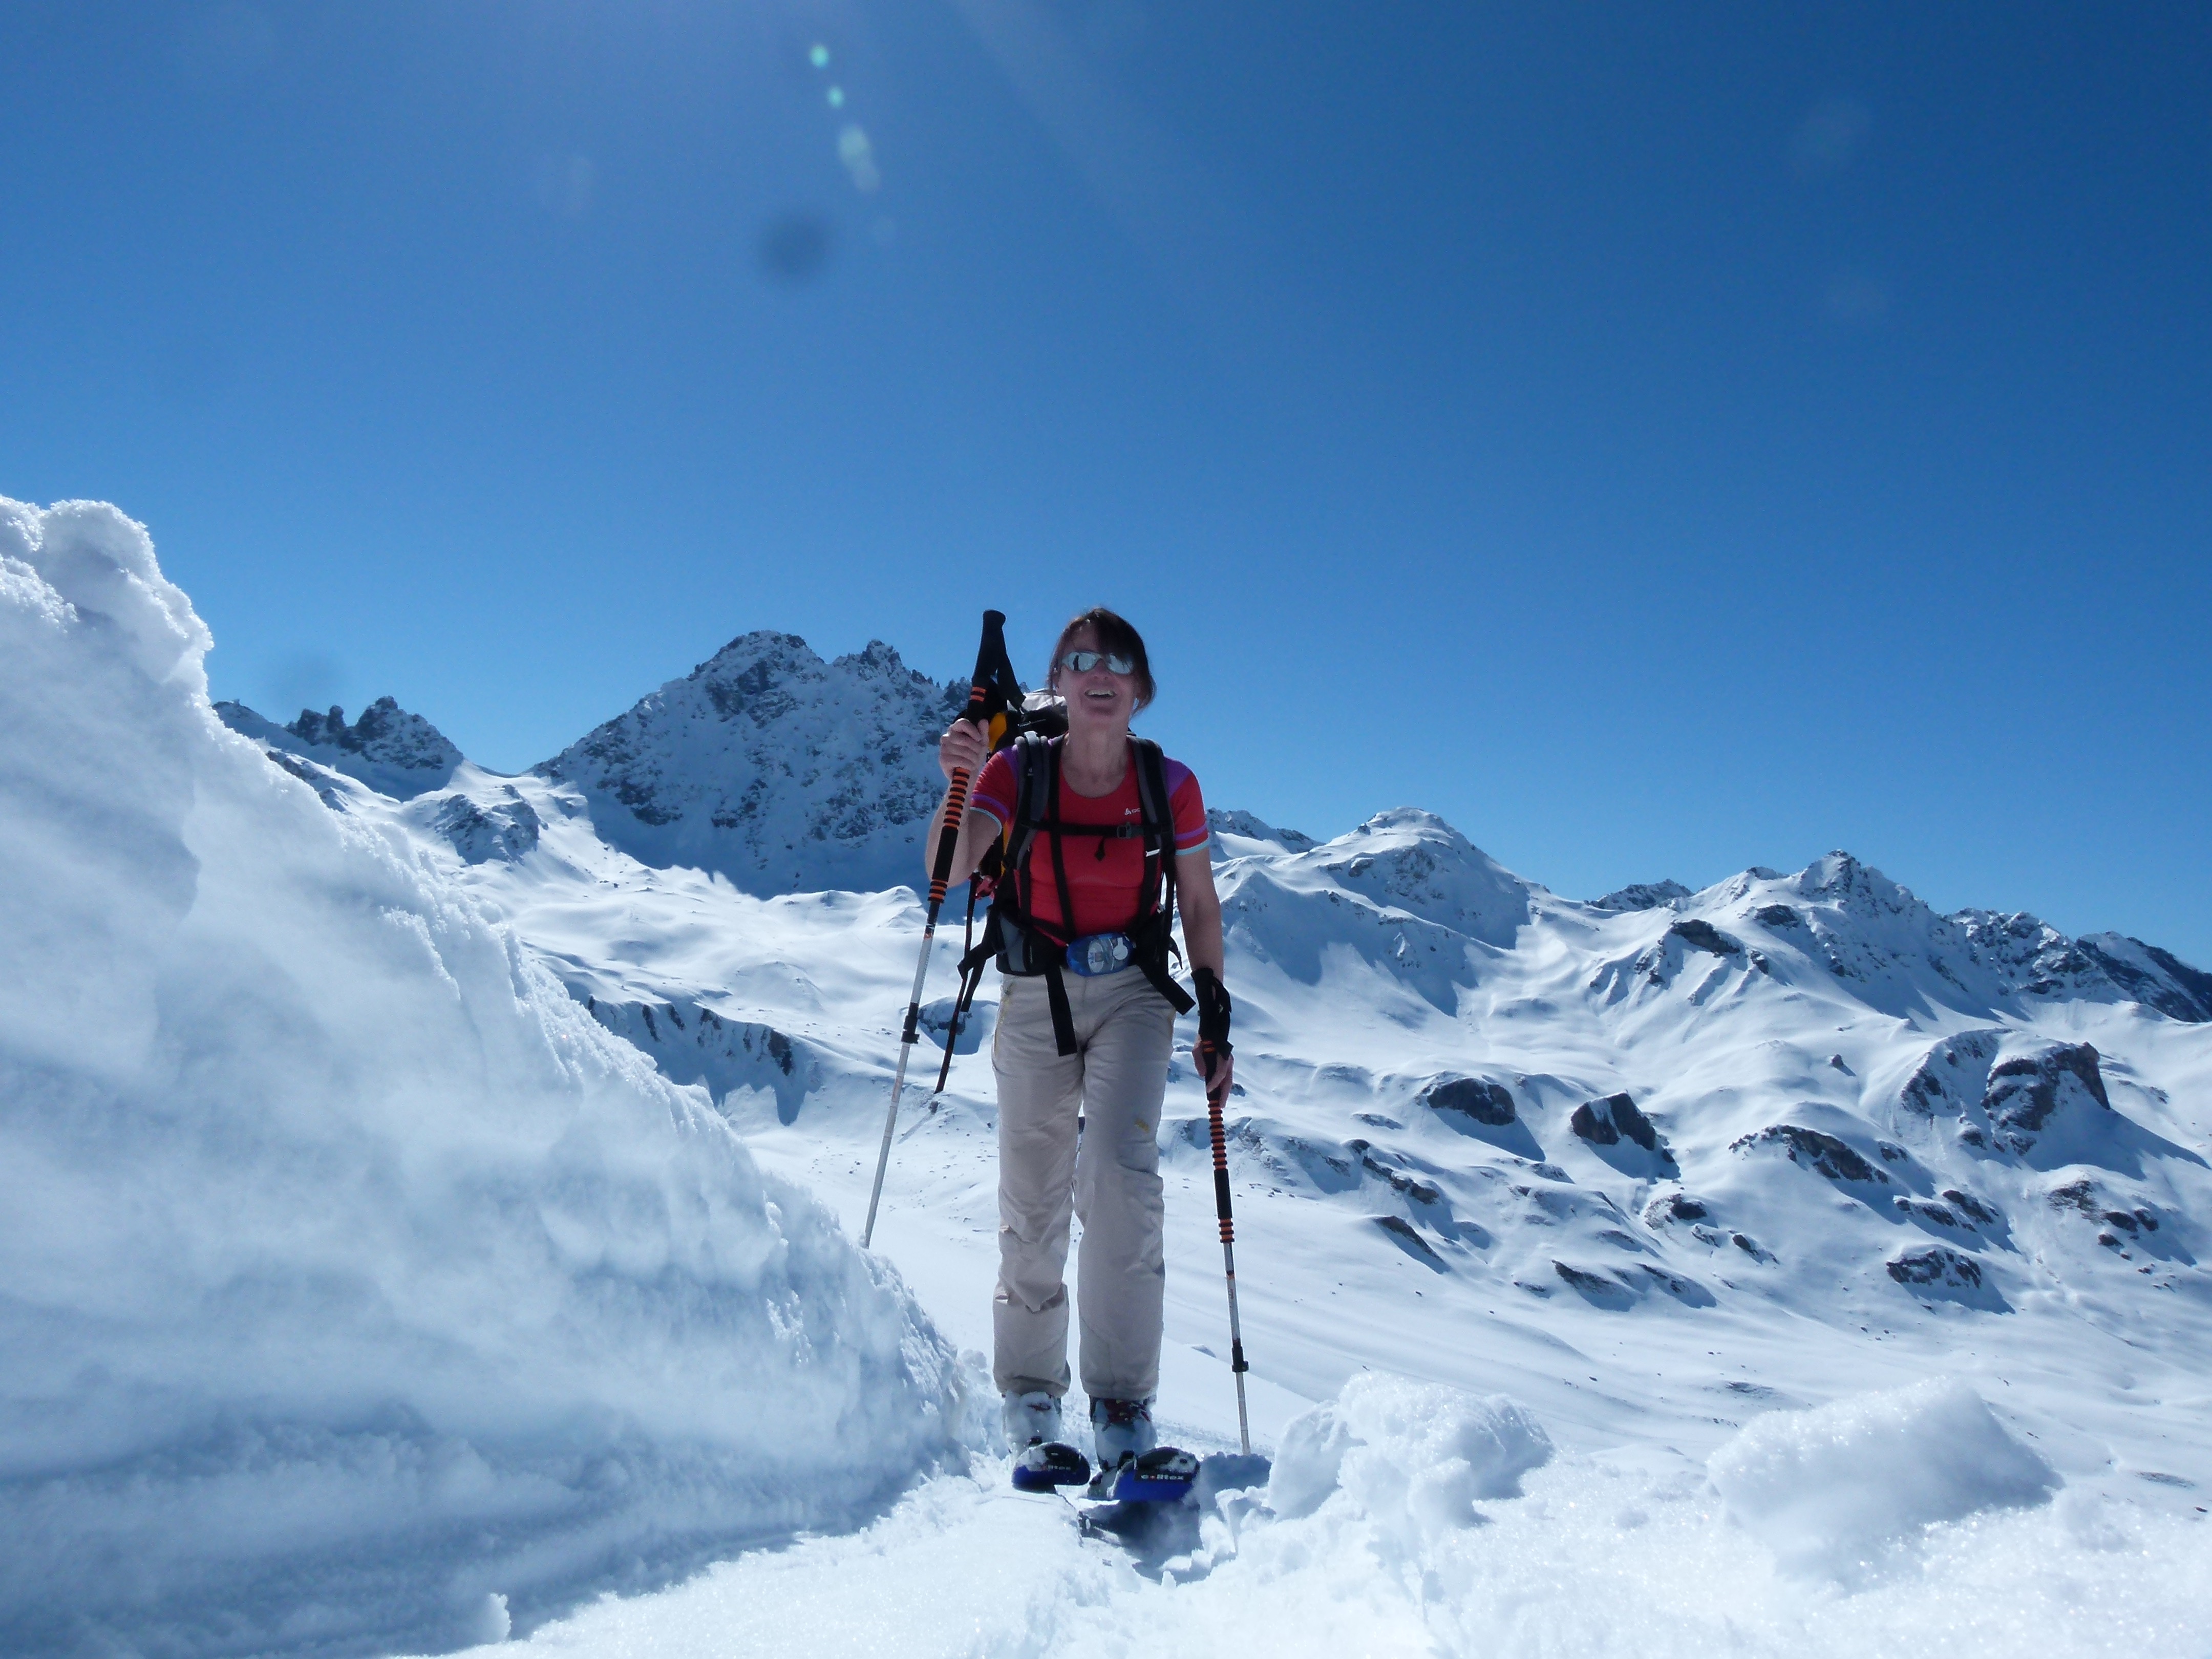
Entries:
{"x":988,"y":657}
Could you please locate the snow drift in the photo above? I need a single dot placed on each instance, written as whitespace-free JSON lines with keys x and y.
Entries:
{"x":359,"y":1290}
{"x":1828,"y":1488}
{"x":1570,"y":1554}
{"x":1414,"y":1455}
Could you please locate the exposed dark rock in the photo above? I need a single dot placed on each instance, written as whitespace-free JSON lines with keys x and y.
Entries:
{"x":1407,"y":1238}
{"x":308,"y":773}
{"x":502,"y":829}
{"x":2195,"y":1002}
{"x":1935,"y":1265}
{"x":1421,"y":1192}
{"x":2038,"y":960}
{"x":1682,"y":1289}
{"x":1588,"y":1283}
{"x":1701,"y":935}
{"x":390,"y":750}
{"x":1472,"y":1096}
{"x":1830,"y":1157}
{"x":1605,"y":1123}
{"x":1925,"y":1210}
{"x":1777,"y":916}
{"x":1673,"y":1206}
{"x":2083,"y":1196}
{"x":1642,"y":896}
{"x":775,"y":768}
{"x":2023,"y":1091}
{"x":1970,"y":1206}
{"x":386,"y":734}
{"x":1950,"y":1075}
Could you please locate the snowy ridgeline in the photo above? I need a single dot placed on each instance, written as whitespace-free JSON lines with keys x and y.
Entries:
{"x":358,"y":1290}
{"x":369,"y":1289}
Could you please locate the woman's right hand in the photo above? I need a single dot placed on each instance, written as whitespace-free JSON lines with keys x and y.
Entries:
{"x":964,"y":748}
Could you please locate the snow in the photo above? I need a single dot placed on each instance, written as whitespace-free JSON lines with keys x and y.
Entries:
{"x":773,"y":768}
{"x":422,"y":1237}
{"x":399,"y":754}
{"x":360,"y":1289}
{"x":1414,"y":1456}
{"x":1603,"y":1554}
{"x":1826,"y":1488}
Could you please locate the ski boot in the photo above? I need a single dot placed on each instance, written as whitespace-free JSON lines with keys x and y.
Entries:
{"x":1132,"y":1466}
{"x":1042,"y":1461}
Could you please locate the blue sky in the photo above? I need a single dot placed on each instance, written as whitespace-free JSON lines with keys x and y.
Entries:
{"x":1660,"y":438}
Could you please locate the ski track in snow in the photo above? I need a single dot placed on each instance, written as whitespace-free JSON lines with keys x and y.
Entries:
{"x":1705,"y":1187}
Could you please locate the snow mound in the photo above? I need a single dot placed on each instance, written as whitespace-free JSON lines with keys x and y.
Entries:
{"x":361,"y":1291}
{"x":1830,"y":1488}
{"x":1411,"y":1457}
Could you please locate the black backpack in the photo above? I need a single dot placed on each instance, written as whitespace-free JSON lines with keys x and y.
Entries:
{"x":1025,"y":947}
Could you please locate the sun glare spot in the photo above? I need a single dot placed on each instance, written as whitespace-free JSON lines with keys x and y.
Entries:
{"x":836,"y":97}
{"x":860,"y":159}
{"x":819,"y":57}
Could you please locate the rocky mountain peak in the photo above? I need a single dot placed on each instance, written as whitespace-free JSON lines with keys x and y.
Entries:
{"x":778,"y":770}
{"x":384,"y":732}
{"x":1841,"y":880}
{"x":1642,"y":896}
{"x":2038,"y":960}
{"x":392,"y":752}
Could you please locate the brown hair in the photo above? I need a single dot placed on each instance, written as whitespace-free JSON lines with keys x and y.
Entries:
{"x":1116,"y":638}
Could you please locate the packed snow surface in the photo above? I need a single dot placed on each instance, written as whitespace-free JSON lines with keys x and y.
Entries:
{"x":1780,"y":1267}
{"x":1595,"y":1553}
{"x":356,"y":1288}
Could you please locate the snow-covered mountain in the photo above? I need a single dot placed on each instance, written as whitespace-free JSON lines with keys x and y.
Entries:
{"x":1632,"y":1101}
{"x":1614,"y":1100}
{"x":1711,"y":1184}
{"x":390,"y":750}
{"x":782,"y":772}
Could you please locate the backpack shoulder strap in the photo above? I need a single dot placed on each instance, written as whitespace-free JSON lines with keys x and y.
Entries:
{"x":1032,"y":758}
{"x":1152,"y":789}
{"x":1158,"y":922}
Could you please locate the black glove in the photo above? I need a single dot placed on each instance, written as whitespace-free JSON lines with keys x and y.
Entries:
{"x":1212,"y":1018}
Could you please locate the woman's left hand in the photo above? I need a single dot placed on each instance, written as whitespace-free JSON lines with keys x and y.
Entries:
{"x":1224,"y":1073}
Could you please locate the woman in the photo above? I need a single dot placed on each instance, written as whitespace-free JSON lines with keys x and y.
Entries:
{"x":1086,"y":1026}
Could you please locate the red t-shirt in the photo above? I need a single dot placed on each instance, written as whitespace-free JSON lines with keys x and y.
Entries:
{"x":1105,"y":890}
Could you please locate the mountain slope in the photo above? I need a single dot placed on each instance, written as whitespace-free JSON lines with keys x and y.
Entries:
{"x":390,"y":750}
{"x":1656,"y":1166}
{"x":772,"y":768}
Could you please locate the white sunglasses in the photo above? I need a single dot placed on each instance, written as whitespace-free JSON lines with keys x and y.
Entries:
{"x":1082,"y":662}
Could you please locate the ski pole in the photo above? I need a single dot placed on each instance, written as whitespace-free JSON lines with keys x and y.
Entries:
{"x":981,"y":691}
{"x":1209,"y":1060}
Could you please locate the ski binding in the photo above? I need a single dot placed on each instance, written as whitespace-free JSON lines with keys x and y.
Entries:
{"x":1162,"y":1475}
{"x":1049,"y":1465}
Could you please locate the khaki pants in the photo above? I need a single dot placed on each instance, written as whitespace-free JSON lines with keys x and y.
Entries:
{"x":1124,"y":1030}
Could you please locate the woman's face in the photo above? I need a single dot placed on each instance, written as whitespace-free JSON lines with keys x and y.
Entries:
{"x":1099,"y":699}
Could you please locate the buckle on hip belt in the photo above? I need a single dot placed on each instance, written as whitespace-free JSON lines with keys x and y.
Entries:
{"x":1095,"y":954}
